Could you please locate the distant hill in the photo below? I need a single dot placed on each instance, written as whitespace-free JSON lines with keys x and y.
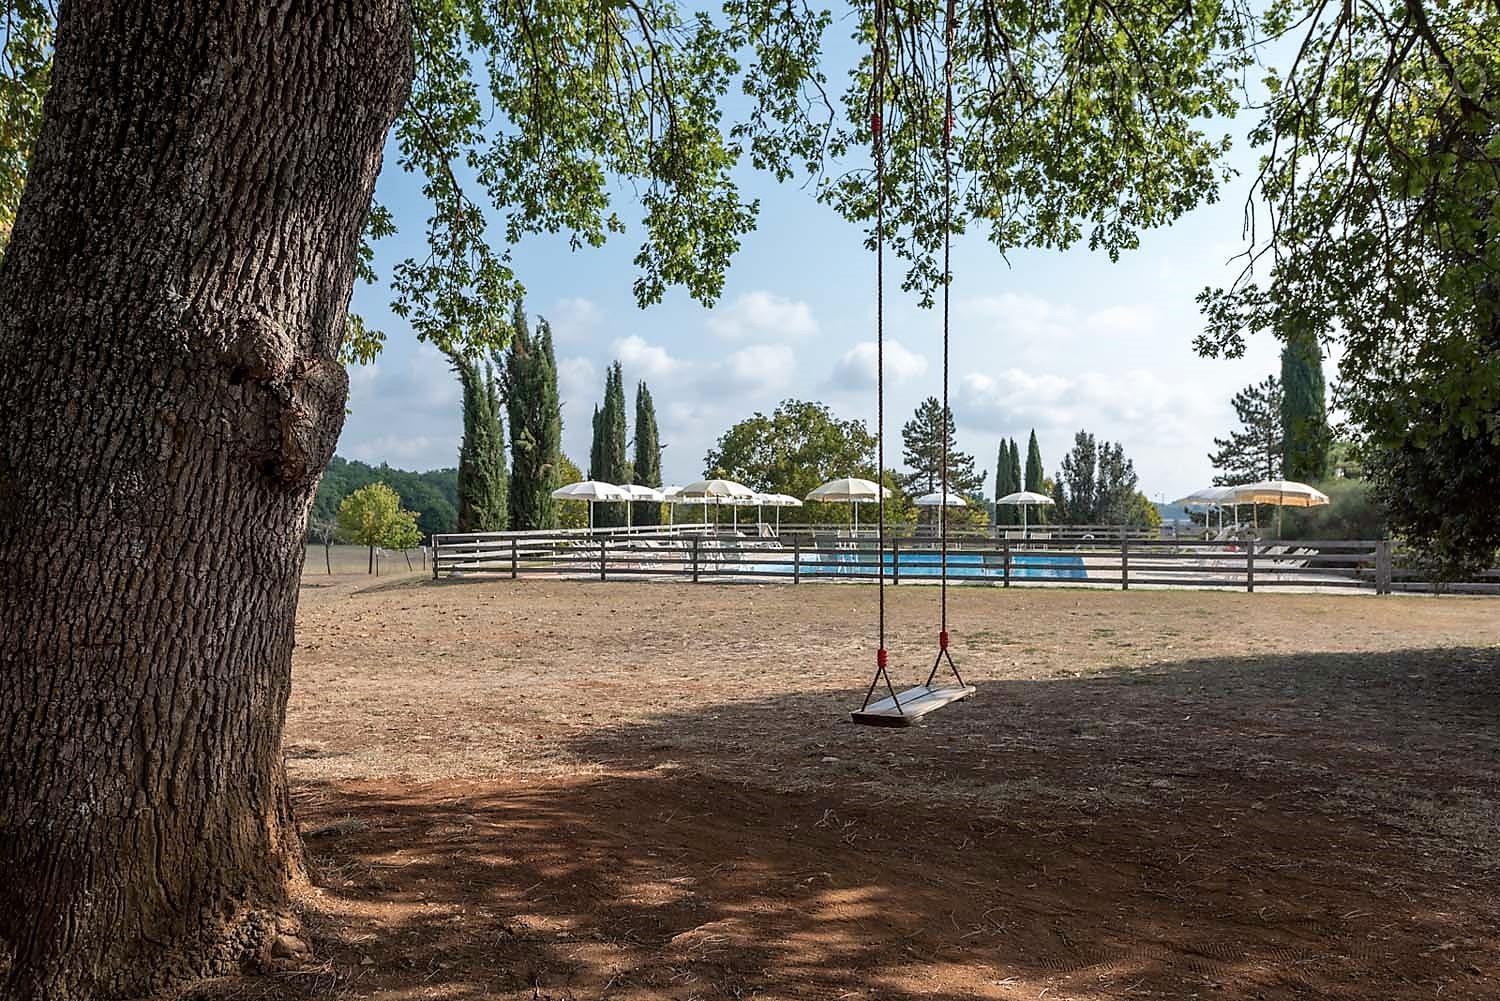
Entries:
{"x":433,"y":494}
{"x":1171,"y":513}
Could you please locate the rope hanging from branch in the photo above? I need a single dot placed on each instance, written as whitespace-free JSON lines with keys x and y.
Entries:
{"x":918,"y":701}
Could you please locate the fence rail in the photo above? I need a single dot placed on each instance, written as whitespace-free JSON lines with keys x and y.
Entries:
{"x":697,"y":553}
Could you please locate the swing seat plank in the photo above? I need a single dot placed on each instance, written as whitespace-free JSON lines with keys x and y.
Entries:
{"x":914,"y":704}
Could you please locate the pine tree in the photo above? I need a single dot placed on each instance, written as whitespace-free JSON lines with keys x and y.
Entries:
{"x":647,"y":471}
{"x":1076,"y":481}
{"x":607,"y":457}
{"x":922,"y":452}
{"x":1097,"y":485}
{"x":1304,"y":410}
{"x":1035,"y":480}
{"x":481,"y":455}
{"x":531,"y":402}
{"x":1254,"y":451}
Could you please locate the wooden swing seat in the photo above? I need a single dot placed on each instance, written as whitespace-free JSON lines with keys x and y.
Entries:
{"x":915,"y":703}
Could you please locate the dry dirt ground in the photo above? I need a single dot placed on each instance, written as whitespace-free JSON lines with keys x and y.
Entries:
{"x":570,"y":790}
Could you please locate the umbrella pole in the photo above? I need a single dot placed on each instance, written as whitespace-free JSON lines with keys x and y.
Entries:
{"x":591,"y":516}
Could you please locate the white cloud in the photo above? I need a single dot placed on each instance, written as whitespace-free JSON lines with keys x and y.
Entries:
{"x":642,"y":359}
{"x":763,"y":314}
{"x":1133,"y":405}
{"x":856,"y":369}
{"x":573,"y":320}
{"x":577,"y":378}
{"x":760,"y":367}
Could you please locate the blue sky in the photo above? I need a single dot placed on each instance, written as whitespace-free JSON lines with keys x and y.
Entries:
{"x":1048,"y":340}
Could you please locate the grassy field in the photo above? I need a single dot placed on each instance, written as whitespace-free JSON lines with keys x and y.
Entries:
{"x":342,"y":560}
{"x":566,"y":790}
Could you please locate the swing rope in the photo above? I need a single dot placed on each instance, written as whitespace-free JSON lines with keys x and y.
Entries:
{"x":943,"y":651}
{"x":877,"y":143}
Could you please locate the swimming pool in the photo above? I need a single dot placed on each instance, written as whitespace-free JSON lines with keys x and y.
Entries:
{"x":1034,"y":566}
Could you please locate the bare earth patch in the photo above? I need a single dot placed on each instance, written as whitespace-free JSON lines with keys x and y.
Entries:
{"x":572,"y":790}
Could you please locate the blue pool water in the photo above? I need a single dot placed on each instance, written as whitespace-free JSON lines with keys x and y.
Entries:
{"x":973,"y":565}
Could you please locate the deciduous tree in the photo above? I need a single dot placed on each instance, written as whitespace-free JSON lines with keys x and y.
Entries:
{"x":1377,"y":211}
{"x":373,"y":516}
{"x":801,"y":445}
{"x":173,"y":307}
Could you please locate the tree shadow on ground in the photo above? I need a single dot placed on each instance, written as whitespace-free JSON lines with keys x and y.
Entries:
{"x":1262,"y":827}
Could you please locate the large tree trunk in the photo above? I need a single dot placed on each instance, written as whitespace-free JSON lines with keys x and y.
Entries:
{"x":171,"y":307}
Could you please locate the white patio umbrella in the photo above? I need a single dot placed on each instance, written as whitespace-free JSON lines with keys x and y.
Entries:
{"x":1024,"y":499}
{"x":592,"y":492}
{"x":716,"y":492}
{"x":669,"y":498}
{"x":938,"y":499}
{"x":1214,"y":497}
{"x":778,"y":501}
{"x":1282,"y":493}
{"x":639,"y":492}
{"x":849,"y":490}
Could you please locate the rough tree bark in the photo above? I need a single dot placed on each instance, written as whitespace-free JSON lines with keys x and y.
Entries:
{"x":171,"y":306}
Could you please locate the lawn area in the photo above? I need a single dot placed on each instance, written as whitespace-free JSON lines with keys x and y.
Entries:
{"x":570,"y":790}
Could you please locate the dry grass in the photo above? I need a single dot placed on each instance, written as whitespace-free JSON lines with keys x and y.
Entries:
{"x":585,"y":790}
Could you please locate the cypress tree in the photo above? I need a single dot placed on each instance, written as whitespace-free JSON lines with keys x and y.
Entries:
{"x":596,"y":451}
{"x":1035,"y":477}
{"x":1005,"y":479}
{"x":1304,"y":409}
{"x":607,"y":457}
{"x":647,"y":470}
{"x":531,"y":403}
{"x":1016,"y":469}
{"x":1034,"y":474}
{"x":481,"y":455}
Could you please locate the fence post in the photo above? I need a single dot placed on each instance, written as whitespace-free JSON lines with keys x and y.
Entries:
{"x":1383,"y":568}
{"x":895,"y":560}
{"x":1005,"y":561}
{"x":696,"y":539}
{"x":1250,"y":565}
{"x":513,"y":543}
{"x":1124,"y":563}
{"x":603,"y":557}
{"x":797,"y":562}
{"x":434,"y":558}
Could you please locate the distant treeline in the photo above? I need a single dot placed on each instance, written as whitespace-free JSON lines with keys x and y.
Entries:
{"x":433,"y":495}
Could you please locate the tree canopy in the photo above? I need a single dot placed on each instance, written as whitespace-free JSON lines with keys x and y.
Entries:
{"x":1375,"y":209}
{"x":373,"y":516}
{"x":799,"y":446}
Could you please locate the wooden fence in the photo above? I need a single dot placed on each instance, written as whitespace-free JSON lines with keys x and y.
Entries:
{"x":702,"y":555}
